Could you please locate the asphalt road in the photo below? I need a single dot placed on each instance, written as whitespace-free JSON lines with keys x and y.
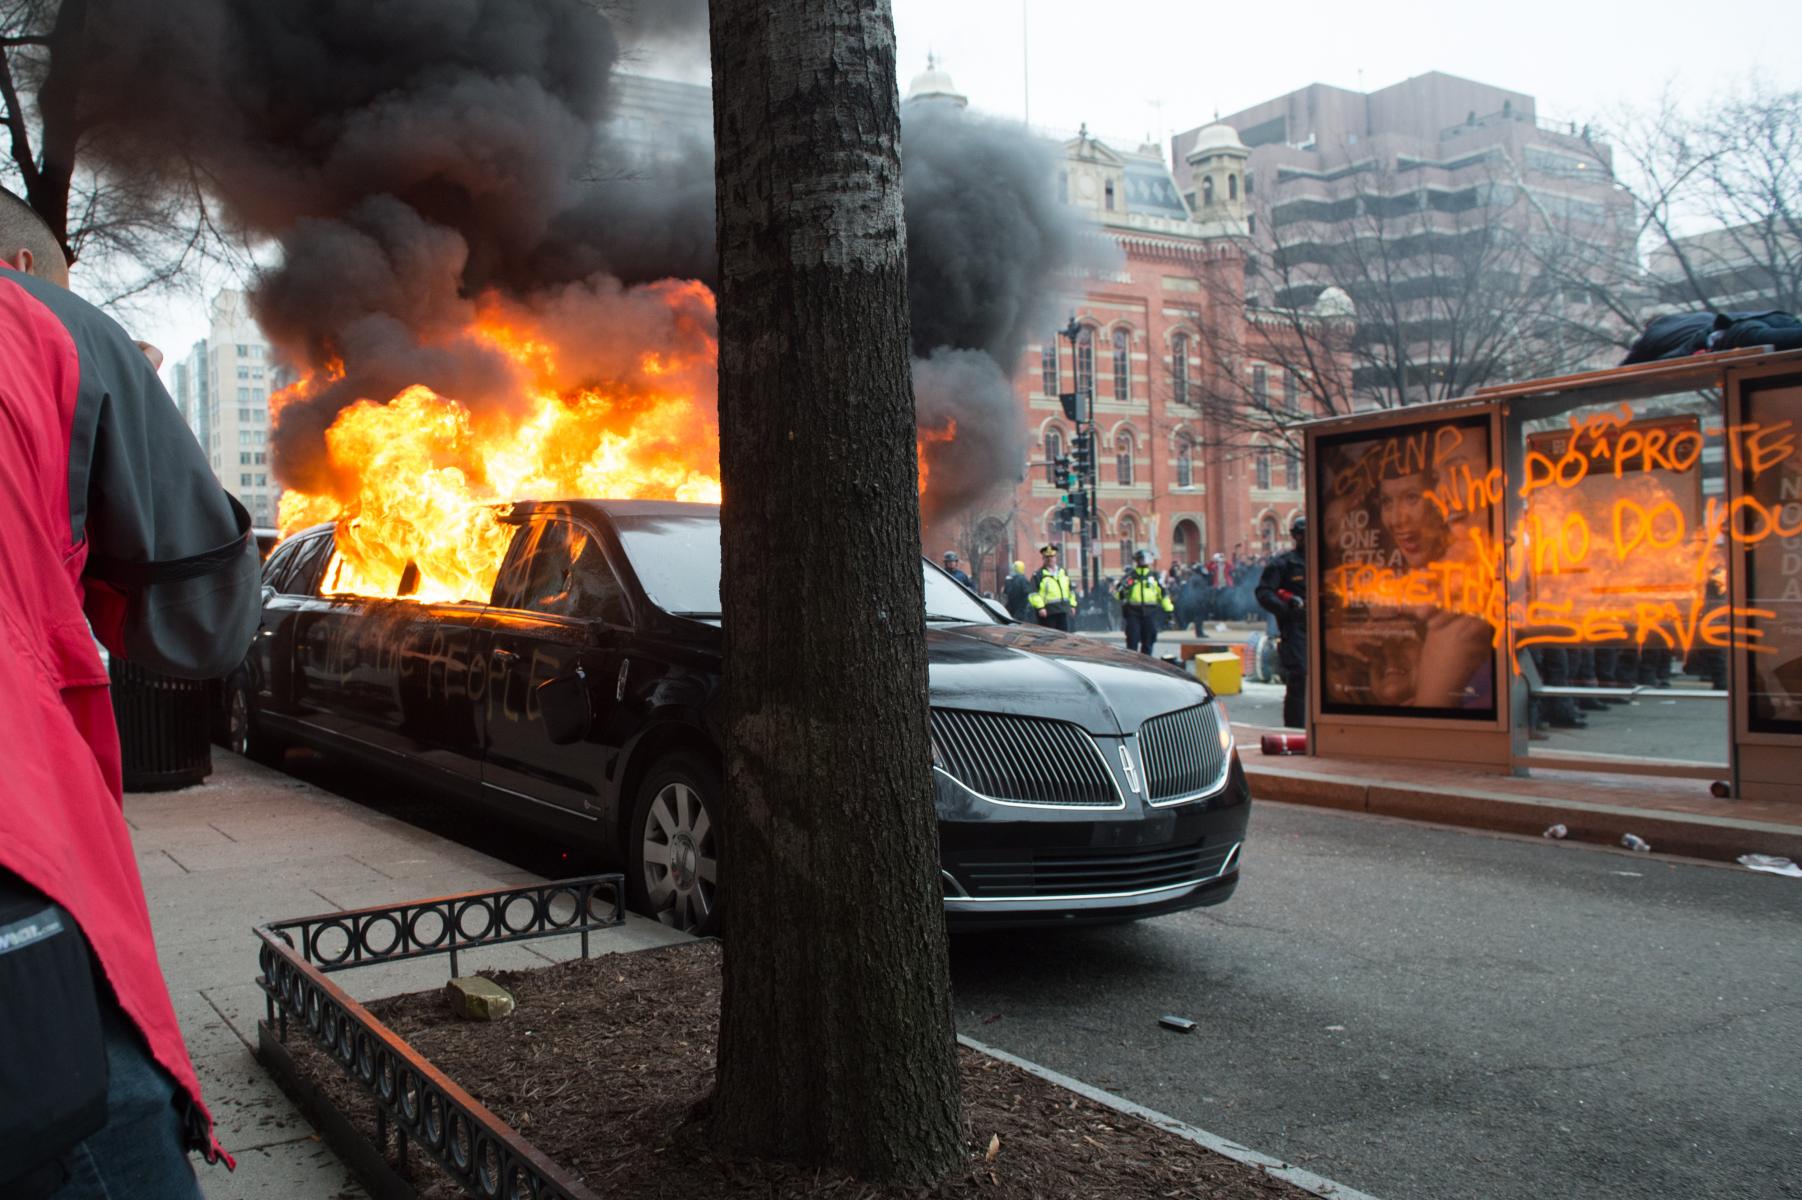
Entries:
{"x":1426,"y":1013}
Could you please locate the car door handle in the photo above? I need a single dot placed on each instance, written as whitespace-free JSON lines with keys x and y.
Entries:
{"x":505,"y":656}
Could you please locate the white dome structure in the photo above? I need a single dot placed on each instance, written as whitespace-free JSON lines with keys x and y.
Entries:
{"x":1334,"y":304}
{"x":1212,"y":139}
{"x":934,"y":85}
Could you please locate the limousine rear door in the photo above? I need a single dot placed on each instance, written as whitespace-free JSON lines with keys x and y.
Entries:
{"x":559,"y":613}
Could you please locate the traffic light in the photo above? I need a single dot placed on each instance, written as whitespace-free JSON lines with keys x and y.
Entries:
{"x":1083,"y":454}
{"x":1066,"y":518}
{"x":1057,"y":471}
{"x":1076,"y":405}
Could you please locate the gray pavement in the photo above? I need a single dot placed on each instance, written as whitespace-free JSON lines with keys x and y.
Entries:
{"x":253,"y":845}
{"x":1426,"y":1013}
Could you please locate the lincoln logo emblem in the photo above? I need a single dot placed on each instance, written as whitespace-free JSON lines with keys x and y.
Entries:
{"x":1132,"y":775}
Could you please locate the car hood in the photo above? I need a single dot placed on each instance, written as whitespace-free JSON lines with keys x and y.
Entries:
{"x":1040,"y":672}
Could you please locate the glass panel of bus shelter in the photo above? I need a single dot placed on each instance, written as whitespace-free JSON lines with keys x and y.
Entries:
{"x":1617,"y":567}
{"x":1767,"y":529}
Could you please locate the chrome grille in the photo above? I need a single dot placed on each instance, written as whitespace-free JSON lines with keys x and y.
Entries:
{"x":1022,"y":760}
{"x":1025,"y":874}
{"x":1181,"y":753}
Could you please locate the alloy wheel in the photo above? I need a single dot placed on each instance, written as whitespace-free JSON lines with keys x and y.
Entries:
{"x":681,"y":863}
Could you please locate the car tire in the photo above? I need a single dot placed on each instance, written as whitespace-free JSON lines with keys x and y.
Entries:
{"x":244,"y":732}
{"x":672,"y":845}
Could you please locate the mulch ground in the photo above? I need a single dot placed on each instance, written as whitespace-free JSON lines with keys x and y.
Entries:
{"x":603,"y":1060}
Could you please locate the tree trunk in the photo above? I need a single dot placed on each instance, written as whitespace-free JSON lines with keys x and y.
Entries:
{"x":836,"y":1040}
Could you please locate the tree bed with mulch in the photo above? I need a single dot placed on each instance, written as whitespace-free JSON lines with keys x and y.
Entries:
{"x":604,"y":1061}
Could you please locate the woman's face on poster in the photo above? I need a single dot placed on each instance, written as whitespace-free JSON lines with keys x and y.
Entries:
{"x":1410,"y":519}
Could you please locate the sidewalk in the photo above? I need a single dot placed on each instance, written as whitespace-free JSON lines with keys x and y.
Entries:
{"x":253,"y":845}
{"x":1677,"y":816}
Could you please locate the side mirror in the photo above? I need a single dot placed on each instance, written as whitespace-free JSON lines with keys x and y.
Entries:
{"x":996,"y":607}
{"x":268,"y":592}
{"x":565,"y":709}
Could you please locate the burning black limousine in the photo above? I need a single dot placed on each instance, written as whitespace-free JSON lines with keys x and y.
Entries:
{"x":1074,"y":781}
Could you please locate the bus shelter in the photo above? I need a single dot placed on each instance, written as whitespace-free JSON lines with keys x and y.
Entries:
{"x":1626,"y":542}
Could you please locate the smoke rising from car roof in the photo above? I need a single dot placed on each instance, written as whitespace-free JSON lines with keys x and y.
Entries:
{"x":410,"y":157}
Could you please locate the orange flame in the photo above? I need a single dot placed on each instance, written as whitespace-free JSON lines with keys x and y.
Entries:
{"x":420,"y":480}
{"x":931,"y":437}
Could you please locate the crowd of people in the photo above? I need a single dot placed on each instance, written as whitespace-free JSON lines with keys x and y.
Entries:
{"x":1217,"y":587}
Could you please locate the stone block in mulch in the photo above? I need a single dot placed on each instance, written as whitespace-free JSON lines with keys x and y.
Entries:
{"x":604,"y":1059}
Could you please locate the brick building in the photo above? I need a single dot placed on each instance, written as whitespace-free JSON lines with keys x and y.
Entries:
{"x":1168,"y":480}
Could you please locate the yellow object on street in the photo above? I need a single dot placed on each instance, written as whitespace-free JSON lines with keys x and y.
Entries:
{"x":1221,"y":672}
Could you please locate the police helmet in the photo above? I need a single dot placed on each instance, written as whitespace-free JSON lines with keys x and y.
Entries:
{"x":1143,"y":557}
{"x":1020,"y":566}
{"x":950,"y":556}
{"x":1298,"y":526}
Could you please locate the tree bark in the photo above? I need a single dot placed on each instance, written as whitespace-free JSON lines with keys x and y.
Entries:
{"x":836,"y":1039}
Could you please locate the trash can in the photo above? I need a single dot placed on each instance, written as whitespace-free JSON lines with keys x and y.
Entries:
{"x":163,"y":728}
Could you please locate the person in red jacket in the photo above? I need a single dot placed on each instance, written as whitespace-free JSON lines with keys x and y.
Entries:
{"x":109,"y":518}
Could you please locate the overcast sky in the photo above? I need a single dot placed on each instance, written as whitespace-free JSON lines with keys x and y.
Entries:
{"x":1113,"y":64}
{"x":1138,"y":68}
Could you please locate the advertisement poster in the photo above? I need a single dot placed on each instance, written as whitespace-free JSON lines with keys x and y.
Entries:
{"x":1773,"y":560}
{"x":1409,"y":593}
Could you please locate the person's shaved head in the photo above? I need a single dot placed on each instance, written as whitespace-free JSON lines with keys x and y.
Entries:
{"x":26,"y":243}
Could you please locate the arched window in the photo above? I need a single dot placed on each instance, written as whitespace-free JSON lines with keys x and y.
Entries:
{"x":1129,"y":540}
{"x":1123,"y":457}
{"x":1263,"y":469}
{"x":1185,"y":542}
{"x":1179,"y":368}
{"x":1248,"y":178}
{"x":1109,"y":192}
{"x":1085,"y":362}
{"x":1291,"y":393}
{"x":1122,"y":365}
{"x":1232,"y":187}
{"x":1260,"y":387}
{"x":1267,"y":534}
{"x":1292,"y":471}
{"x":1185,"y":461}
{"x":1207,"y":191}
{"x":1048,"y":366}
{"x":1054,"y":444}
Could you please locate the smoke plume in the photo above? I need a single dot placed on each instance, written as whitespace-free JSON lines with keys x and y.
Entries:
{"x":420,"y":164}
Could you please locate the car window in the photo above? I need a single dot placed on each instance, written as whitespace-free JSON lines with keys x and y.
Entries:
{"x":278,"y":562}
{"x":567,"y":575}
{"x":949,"y":600}
{"x":301,"y":577}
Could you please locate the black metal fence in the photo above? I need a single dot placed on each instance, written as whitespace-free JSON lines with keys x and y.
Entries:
{"x":484,"y":1154}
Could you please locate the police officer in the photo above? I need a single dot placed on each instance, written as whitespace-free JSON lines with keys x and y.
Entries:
{"x":957,"y":573}
{"x":1014,"y":593}
{"x":1283,"y":591}
{"x":1051,"y":597}
{"x":1143,"y":601}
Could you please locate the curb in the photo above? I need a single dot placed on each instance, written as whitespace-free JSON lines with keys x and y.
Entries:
{"x":1307,"y":1181}
{"x":1718,"y":838}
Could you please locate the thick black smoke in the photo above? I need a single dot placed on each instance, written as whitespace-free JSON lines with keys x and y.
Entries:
{"x":408,"y":158}
{"x":414,"y":160}
{"x":985,"y":237}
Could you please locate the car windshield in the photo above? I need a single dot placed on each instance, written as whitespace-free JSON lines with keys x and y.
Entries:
{"x":677,"y":559}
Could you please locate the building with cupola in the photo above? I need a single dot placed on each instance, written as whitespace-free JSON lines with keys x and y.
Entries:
{"x":1170,"y":478}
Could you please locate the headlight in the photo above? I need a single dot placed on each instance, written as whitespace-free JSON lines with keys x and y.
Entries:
{"x":1225,"y":725}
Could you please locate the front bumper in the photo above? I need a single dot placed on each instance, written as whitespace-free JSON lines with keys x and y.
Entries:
{"x":1017,"y":865}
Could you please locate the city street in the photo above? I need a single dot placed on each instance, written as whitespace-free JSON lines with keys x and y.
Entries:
{"x":1425,"y":1013}
{"x":1418,"y":1012}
